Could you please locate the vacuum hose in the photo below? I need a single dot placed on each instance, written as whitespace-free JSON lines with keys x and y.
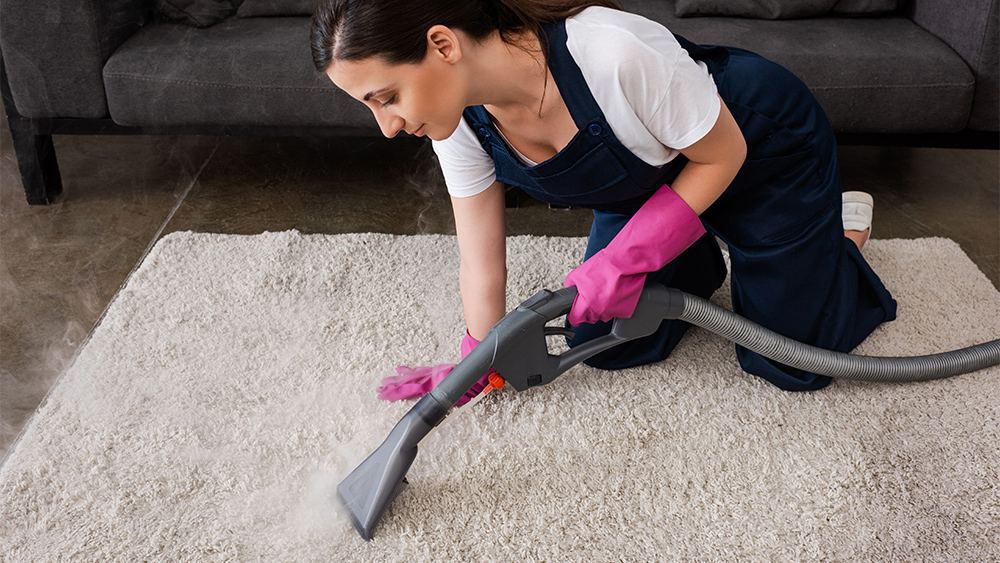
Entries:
{"x":781,"y":349}
{"x":516,"y":347}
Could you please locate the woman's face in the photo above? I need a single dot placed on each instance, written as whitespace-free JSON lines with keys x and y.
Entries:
{"x":421,"y":99}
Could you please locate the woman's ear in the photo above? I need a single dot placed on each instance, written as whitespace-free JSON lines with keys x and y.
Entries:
{"x":444,"y":42}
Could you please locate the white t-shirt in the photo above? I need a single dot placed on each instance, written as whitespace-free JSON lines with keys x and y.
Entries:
{"x":655,"y":97}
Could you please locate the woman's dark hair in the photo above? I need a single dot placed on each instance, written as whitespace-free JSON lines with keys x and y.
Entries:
{"x":349,"y":30}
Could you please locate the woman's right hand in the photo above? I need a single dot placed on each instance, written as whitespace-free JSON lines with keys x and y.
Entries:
{"x":418,"y":381}
{"x":481,"y":229}
{"x":480,"y":225}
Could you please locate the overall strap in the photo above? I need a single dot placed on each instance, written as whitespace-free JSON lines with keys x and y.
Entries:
{"x":568,"y":76}
{"x":479,"y":120}
{"x":583,"y":108}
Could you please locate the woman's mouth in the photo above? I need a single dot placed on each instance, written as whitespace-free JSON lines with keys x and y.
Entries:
{"x":419,"y":132}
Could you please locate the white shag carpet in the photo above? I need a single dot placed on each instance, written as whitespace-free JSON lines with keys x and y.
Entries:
{"x":231,"y":385}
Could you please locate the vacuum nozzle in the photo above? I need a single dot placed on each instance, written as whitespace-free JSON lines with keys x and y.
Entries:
{"x":368,"y":490}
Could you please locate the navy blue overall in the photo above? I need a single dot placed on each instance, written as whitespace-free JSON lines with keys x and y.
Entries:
{"x":793,"y":271}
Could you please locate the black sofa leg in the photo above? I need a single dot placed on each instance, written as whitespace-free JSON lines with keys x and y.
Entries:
{"x":36,"y":156}
{"x":36,"y":159}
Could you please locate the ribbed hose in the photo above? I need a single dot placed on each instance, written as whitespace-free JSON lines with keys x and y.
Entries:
{"x":769,"y":344}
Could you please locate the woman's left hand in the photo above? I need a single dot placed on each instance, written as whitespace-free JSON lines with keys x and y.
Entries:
{"x":609,"y":283}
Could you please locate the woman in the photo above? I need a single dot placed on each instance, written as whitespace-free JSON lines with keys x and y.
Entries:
{"x":670,"y":143}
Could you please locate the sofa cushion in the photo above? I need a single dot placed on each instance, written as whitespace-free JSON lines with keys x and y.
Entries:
{"x":783,"y":9}
{"x":762,"y":9}
{"x":882,"y":74}
{"x":197,"y":13}
{"x":976,"y":39}
{"x":257,"y":8}
{"x":53,"y":52}
{"x":252,"y":71}
{"x":863,"y":71}
{"x":867,"y":7}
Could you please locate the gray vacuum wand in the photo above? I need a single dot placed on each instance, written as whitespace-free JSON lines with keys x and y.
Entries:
{"x":516,"y":347}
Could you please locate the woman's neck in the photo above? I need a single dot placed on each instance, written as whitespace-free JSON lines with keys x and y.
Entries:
{"x":509,"y":78}
{"x":514,"y":85}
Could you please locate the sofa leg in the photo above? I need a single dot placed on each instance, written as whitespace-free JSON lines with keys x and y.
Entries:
{"x":36,"y":156}
{"x":36,"y":160}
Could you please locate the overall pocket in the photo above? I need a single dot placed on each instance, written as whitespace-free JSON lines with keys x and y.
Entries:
{"x":585,"y":177}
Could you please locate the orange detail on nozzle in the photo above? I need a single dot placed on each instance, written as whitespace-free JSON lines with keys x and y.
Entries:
{"x":496,"y":382}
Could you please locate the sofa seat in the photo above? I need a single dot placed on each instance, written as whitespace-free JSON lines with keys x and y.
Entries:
{"x":862,"y":70}
{"x":245,"y":71}
{"x":239,"y":71}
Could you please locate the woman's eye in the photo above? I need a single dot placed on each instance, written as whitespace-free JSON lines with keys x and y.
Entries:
{"x":389,"y":102}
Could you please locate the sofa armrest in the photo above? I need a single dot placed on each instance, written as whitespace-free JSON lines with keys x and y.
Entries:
{"x":970,"y":28}
{"x":54,"y":52}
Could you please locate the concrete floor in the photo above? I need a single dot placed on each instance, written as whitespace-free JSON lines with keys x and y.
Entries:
{"x":61,"y":265}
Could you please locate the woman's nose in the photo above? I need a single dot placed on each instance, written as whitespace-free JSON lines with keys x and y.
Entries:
{"x":390,"y":124}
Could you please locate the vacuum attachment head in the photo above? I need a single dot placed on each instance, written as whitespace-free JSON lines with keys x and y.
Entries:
{"x":516,"y":348}
{"x":368,"y":490}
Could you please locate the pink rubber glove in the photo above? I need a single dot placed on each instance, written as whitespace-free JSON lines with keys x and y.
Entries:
{"x":609,"y":282}
{"x":418,"y":381}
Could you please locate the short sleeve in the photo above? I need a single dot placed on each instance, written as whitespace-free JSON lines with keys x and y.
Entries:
{"x":657,"y":99}
{"x":689,"y":108}
{"x":467,"y":168}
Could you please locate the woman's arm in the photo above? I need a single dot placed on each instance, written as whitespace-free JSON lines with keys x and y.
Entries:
{"x":481,"y":229}
{"x":714,"y":162}
{"x":610,"y":282}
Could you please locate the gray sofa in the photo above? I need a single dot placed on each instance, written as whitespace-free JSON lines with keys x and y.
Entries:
{"x":924,"y":73}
